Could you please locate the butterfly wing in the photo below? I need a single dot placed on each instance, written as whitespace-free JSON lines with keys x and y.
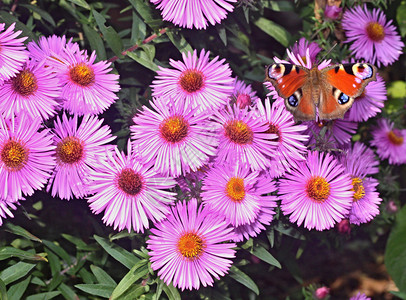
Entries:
{"x":292,"y":83}
{"x":340,"y":85}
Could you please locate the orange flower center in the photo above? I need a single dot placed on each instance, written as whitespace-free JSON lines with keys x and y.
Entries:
{"x":191,"y":246}
{"x":395,"y":137}
{"x":358,"y":188}
{"x":274,"y":129}
{"x":239,"y":132}
{"x":130,"y":182}
{"x":69,"y":150}
{"x":82,"y":74}
{"x":375,"y":31}
{"x":318,"y":189}
{"x":191,"y":80}
{"x":25,"y":83}
{"x":14,"y":155}
{"x":235,"y":189}
{"x":174,"y":129}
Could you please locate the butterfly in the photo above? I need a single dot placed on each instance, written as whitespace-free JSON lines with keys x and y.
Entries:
{"x":330,"y":91}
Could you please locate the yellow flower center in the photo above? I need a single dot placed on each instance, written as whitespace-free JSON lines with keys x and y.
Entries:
{"x":235,"y":189}
{"x":25,"y":83}
{"x":395,"y":137}
{"x":69,"y":150}
{"x":318,"y":189}
{"x":130,"y":182}
{"x":191,"y":246}
{"x":191,"y":80}
{"x":239,"y":132}
{"x":82,"y":74}
{"x":358,"y":188}
{"x":14,"y":155}
{"x":375,"y":31}
{"x":174,"y":129}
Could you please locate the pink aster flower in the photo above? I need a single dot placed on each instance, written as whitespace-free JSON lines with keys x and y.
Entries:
{"x":336,"y":133}
{"x":189,"y":14}
{"x":51,"y":47}
{"x":322,"y":292}
{"x":34,"y":89}
{"x":26,"y":157}
{"x":290,"y":137}
{"x":373,"y":39}
{"x":5,"y":211}
{"x":368,"y":165}
{"x":174,"y":137}
{"x":304,"y":52}
{"x":79,"y":149}
{"x":243,"y":95}
{"x":129,"y":193}
{"x":332,"y":12}
{"x":360,"y":296}
{"x":12,"y":52}
{"x":370,"y":103}
{"x":244,"y":138}
{"x":318,"y":193}
{"x":191,"y":246}
{"x":197,"y":81}
{"x":389,"y":142}
{"x":87,"y":87}
{"x":267,"y":204}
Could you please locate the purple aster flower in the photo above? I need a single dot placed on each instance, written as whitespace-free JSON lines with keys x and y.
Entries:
{"x":130,"y":193}
{"x":389,"y":142}
{"x":34,"y":89}
{"x":370,"y":103}
{"x":336,"y":133}
{"x":332,"y":12}
{"x":191,"y":246}
{"x":374,"y":39}
{"x":360,"y":296}
{"x":5,"y":206}
{"x":26,"y":157}
{"x":304,"y":61}
{"x":304,"y":52}
{"x":189,"y":14}
{"x":368,"y":165}
{"x":51,"y":47}
{"x":87,"y":87}
{"x":79,"y":149}
{"x":267,"y":204}
{"x":244,"y":138}
{"x":318,"y":193}
{"x":12,"y":52}
{"x":197,"y":81}
{"x":290,"y":137}
{"x":174,"y":137}
{"x":243,"y":95}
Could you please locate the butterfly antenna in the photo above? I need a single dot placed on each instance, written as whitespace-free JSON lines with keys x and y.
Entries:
{"x":328,"y":52}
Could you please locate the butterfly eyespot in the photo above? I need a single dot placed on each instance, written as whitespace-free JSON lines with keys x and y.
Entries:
{"x":363,"y":71}
{"x":293,"y":101}
{"x":343,"y":98}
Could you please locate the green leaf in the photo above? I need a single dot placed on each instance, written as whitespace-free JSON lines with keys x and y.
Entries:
{"x":8,"y":252}
{"x":143,"y":58}
{"x":139,"y":270}
{"x":102,"y":276}
{"x":138,"y":29}
{"x":58,"y":250}
{"x":118,"y":253}
{"x":17,"y":290}
{"x":171,"y":292}
{"x":3,"y":291}
{"x":16,"y":272}
{"x":102,"y":290}
{"x":179,"y":42}
{"x":8,"y":19}
{"x":110,"y":35}
{"x":401,"y":18}
{"x":42,"y":296}
{"x":264,"y":255}
{"x":95,"y":41}
{"x":221,"y":30}
{"x":81,"y":3}
{"x":276,"y":31}
{"x":46,"y":16}
{"x":18,"y":230}
{"x":280,"y":5}
{"x":67,"y":292}
{"x":244,"y":279}
{"x":143,"y":9}
{"x":395,"y":254}
{"x":399,"y":294}
{"x":134,"y":292}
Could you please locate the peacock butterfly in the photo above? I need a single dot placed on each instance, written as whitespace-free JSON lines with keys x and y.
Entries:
{"x":330,"y":91}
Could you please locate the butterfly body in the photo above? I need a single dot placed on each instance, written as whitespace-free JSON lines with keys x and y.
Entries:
{"x":328,"y":93}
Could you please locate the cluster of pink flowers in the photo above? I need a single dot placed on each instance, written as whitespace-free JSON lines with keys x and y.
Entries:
{"x":234,"y":157}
